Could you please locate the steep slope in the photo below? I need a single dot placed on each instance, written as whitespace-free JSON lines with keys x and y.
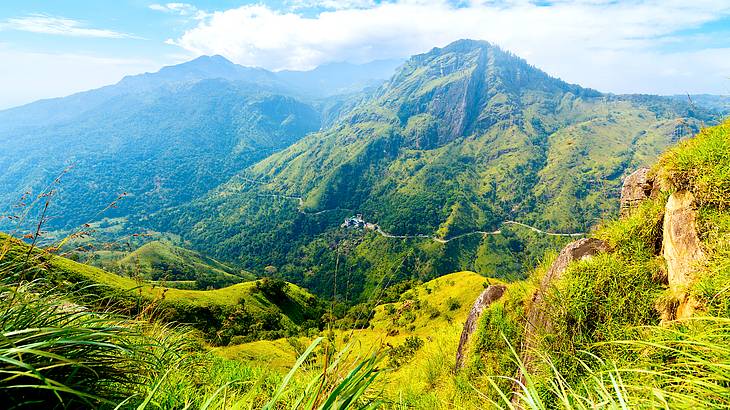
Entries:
{"x":458,"y":141}
{"x":651,"y":308}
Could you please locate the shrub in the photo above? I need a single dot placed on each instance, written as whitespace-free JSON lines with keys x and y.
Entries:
{"x":452,"y":304}
{"x":400,"y":355}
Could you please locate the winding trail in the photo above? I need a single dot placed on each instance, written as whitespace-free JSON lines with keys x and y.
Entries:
{"x":483,"y":233}
{"x":384,"y":234}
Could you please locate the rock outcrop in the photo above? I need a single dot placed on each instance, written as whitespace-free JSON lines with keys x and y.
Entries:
{"x":538,"y":322}
{"x":681,"y":250}
{"x":635,"y":189}
{"x":489,"y":295}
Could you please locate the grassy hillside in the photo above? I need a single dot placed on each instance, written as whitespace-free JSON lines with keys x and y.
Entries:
{"x":251,"y":309}
{"x":429,"y":317}
{"x":175,"y":266}
{"x":612,"y":338}
{"x":57,"y":353}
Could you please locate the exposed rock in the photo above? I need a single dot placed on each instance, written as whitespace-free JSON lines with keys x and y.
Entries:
{"x":635,"y":189}
{"x":681,"y":248}
{"x":489,"y":295}
{"x":538,"y":322}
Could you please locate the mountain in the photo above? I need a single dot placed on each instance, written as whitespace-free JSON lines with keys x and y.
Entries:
{"x":460,"y":140}
{"x":162,"y":138}
{"x":162,"y":147}
{"x":201,"y":68}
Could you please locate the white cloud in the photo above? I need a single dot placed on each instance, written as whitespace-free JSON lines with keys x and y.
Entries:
{"x":331,"y":4}
{"x":609,"y":45}
{"x":182,"y":9}
{"x":45,"y":24}
{"x":29,"y":77}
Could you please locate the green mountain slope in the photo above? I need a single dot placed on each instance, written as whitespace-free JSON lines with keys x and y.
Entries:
{"x":174,"y":266}
{"x":461,"y":139}
{"x":163,"y":138}
{"x":161,"y":147}
{"x":252,"y":310}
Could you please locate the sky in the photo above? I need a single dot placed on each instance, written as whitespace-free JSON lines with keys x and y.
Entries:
{"x":55,"y":48}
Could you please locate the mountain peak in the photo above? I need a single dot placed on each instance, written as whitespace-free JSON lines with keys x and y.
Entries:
{"x":467,"y":44}
{"x":216,"y":59}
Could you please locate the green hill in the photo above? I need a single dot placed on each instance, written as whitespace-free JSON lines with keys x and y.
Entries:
{"x":163,"y":262}
{"x":433,"y":313}
{"x":460,"y":140}
{"x":252,"y":309}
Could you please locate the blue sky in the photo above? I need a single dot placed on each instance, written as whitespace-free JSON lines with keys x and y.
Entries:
{"x":55,"y":48}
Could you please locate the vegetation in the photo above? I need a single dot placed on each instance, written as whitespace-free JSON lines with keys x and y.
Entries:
{"x":461,"y":139}
{"x":244,"y":309}
{"x":162,"y":140}
{"x":56,"y":353}
{"x":607,"y":346}
{"x":172,"y":266}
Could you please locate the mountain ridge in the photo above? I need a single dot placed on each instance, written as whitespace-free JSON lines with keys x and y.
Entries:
{"x":459,"y":139}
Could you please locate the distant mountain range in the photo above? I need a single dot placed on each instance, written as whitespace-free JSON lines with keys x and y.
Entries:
{"x":165,"y":138}
{"x":259,"y":168}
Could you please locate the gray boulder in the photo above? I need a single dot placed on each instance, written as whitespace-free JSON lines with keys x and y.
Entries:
{"x":635,"y":189}
{"x":489,"y":295}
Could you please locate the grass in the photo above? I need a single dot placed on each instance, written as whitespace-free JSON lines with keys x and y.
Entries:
{"x":700,"y":165}
{"x":55,"y":353}
{"x":425,"y":379}
{"x":682,"y":367}
{"x":158,"y":260}
{"x":65,"y":270}
{"x":242,"y":311}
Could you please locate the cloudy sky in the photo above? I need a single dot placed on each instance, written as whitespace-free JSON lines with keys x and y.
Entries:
{"x":54,"y":48}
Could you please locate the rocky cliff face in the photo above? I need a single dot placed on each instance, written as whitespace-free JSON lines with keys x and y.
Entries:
{"x":538,"y":322}
{"x":636,"y":188}
{"x":681,"y":250}
{"x":489,"y":295}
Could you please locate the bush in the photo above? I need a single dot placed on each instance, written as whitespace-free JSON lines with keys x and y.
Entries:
{"x":452,"y":304}
{"x":273,"y":289}
{"x":400,"y":355}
